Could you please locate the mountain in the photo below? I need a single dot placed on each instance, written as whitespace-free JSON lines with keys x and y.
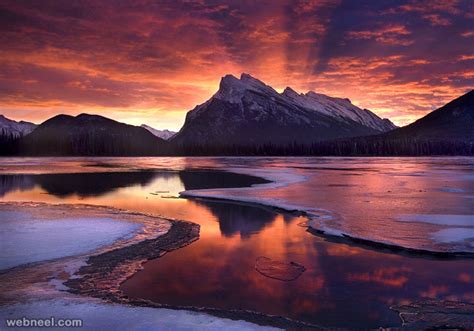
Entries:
{"x":247,"y":112}
{"x":163,"y":134}
{"x":448,"y":130}
{"x":89,"y":135}
{"x":13,"y":129}
{"x":453,"y":121}
{"x":338,"y":108}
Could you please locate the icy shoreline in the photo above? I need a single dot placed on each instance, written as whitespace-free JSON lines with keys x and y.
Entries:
{"x":71,"y":286}
{"x":319,"y":217}
{"x":26,"y":240}
{"x":29,"y":229}
{"x":97,"y":315}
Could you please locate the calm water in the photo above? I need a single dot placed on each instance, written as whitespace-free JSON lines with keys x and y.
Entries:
{"x":343,"y":285}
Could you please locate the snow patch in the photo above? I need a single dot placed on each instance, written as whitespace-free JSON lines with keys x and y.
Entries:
{"x":338,"y":108}
{"x":454,"y":235}
{"x":449,"y":220}
{"x":163,"y":134}
{"x":24,"y":239}
{"x":451,"y":190}
{"x":101,"y":316}
{"x":278,"y":177}
{"x":15,"y":129}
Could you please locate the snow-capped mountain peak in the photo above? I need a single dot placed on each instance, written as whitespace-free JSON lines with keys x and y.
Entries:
{"x":163,"y":134}
{"x":247,"y":111}
{"x":15,"y":129}
{"x":232,"y":89}
{"x":289,"y":92}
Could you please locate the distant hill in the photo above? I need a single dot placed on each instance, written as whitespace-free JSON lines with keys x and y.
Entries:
{"x":246,"y":112}
{"x":163,"y":134}
{"x":448,"y":130}
{"x":453,"y":121}
{"x":89,"y":135}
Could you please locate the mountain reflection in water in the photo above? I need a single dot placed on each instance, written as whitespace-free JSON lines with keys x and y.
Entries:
{"x":96,"y":184}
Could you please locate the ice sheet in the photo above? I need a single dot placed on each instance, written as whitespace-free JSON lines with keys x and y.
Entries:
{"x":449,"y":220}
{"x":278,"y":177}
{"x":99,"y":316}
{"x":24,"y":239}
{"x":452,"y":235}
{"x":330,"y":222}
{"x":452,"y":190}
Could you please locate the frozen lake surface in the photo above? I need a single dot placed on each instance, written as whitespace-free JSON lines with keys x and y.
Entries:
{"x":97,"y":316}
{"x":416,"y":203}
{"x":24,"y":239}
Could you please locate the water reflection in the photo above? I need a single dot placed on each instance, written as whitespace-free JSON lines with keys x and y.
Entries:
{"x":238,"y":219}
{"x":202,"y":179}
{"x":82,"y":184}
{"x":96,"y":184}
{"x":91,"y":184}
{"x":10,"y":183}
{"x":340,"y":280}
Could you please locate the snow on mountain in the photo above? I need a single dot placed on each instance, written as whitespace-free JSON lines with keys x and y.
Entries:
{"x":233,"y":89}
{"x":163,"y":134}
{"x":246,"y":111}
{"x":341,"y":109}
{"x":15,"y":129}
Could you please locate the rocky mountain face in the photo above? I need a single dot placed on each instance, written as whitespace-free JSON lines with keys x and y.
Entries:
{"x":13,"y":129}
{"x":341,"y":109}
{"x":246,"y":112}
{"x":163,"y":134}
{"x":89,"y":135}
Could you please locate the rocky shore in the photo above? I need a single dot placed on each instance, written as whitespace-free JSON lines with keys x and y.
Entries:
{"x":104,"y":273}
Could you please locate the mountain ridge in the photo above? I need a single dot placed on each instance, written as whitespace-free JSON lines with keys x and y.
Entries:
{"x":247,"y":111}
{"x":87,"y":134}
{"x":454,"y":120}
{"x":13,"y":129}
{"x":247,"y":117}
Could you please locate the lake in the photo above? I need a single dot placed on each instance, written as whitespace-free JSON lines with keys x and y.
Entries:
{"x":385,"y":231}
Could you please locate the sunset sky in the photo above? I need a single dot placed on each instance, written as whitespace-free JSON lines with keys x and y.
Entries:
{"x":150,"y":61}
